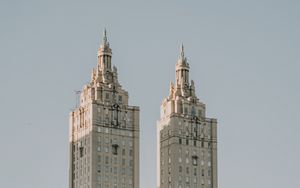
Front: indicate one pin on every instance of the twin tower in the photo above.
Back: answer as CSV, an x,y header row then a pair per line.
x,y
104,134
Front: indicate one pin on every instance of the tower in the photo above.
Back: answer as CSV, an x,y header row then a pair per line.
x,y
104,131
186,138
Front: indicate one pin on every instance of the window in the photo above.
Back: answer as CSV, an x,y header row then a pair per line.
x,y
187,179
195,160
130,152
115,149
202,163
130,143
187,170
99,129
209,182
195,143
107,95
120,98
187,142
193,111
180,168
180,141
99,148
81,151
209,163
199,113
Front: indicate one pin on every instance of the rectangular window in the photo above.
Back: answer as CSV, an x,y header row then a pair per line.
x,y
180,141
195,160
115,149
209,163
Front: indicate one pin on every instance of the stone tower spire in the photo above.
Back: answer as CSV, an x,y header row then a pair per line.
x,y
104,55
182,70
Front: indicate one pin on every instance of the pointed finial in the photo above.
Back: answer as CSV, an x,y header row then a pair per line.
x,y
104,40
182,51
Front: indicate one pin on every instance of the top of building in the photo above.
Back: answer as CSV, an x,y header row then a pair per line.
x,y
182,99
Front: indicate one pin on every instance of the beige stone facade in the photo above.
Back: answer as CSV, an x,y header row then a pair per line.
x,y
104,131
186,138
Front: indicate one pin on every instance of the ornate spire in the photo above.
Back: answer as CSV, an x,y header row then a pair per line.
x,y
182,52
104,40
104,58
182,59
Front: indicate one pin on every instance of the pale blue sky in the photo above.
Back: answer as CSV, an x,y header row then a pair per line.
x,y
244,58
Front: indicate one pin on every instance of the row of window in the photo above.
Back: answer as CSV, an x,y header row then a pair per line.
x,y
109,130
114,180
115,170
188,180
113,160
187,152
187,161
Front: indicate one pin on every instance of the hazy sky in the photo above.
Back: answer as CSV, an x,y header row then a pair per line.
x,y
244,58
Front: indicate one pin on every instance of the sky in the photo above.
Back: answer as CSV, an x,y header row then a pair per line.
x,y
244,58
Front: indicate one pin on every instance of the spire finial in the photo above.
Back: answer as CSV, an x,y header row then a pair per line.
x,y
182,51
104,40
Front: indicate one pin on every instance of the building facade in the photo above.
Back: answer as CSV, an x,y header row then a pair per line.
x,y
104,131
186,138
